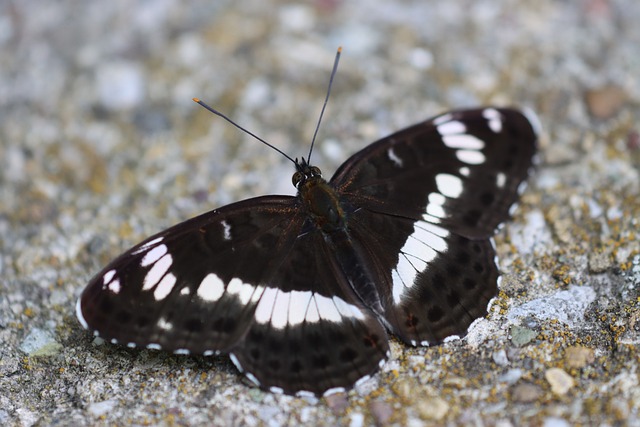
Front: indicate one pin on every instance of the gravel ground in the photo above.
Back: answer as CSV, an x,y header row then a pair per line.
x,y
101,146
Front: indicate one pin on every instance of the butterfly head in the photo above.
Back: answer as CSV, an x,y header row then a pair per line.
x,y
305,172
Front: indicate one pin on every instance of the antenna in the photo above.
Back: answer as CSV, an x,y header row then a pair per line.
x,y
324,106
218,113
326,99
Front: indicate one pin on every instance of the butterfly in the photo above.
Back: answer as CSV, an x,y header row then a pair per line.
x,y
302,291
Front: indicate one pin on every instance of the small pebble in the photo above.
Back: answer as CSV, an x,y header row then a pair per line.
x,y
511,376
41,343
578,357
555,422
357,420
599,262
522,336
381,411
433,408
526,393
620,409
605,102
560,381
500,358
120,85
337,402
98,409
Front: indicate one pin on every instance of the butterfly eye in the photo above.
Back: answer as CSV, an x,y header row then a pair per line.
x,y
315,171
297,177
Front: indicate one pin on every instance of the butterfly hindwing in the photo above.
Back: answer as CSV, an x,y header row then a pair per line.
x,y
194,286
312,333
434,283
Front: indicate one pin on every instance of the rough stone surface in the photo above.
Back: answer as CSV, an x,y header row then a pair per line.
x,y
559,380
101,146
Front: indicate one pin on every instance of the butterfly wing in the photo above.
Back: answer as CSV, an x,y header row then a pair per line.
x,y
312,334
426,201
251,279
461,170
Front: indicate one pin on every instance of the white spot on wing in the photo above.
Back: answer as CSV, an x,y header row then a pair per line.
x,y
226,230
451,128
501,179
465,142
436,211
275,390
420,245
494,119
449,185
280,311
185,291
403,274
154,346
245,291
181,351
252,378
164,325
470,157
153,255
464,171
327,308
435,205
236,362
211,288
79,315
348,310
158,270
442,119
298,307
265,306
312,315
397,161
114,286
434,229
108,276
420,248
164,287
257,293
147,245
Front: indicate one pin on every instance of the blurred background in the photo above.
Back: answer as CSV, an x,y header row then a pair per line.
x,y
101,146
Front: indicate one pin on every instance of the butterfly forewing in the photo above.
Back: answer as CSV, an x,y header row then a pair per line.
x,y
194,286
301,290
461,170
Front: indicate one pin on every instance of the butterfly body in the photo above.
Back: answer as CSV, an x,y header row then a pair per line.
x,y
301,291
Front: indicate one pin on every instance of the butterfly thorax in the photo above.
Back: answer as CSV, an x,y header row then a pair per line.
x,y
319,198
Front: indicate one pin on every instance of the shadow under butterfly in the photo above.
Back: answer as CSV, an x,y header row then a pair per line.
x,y
302,290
